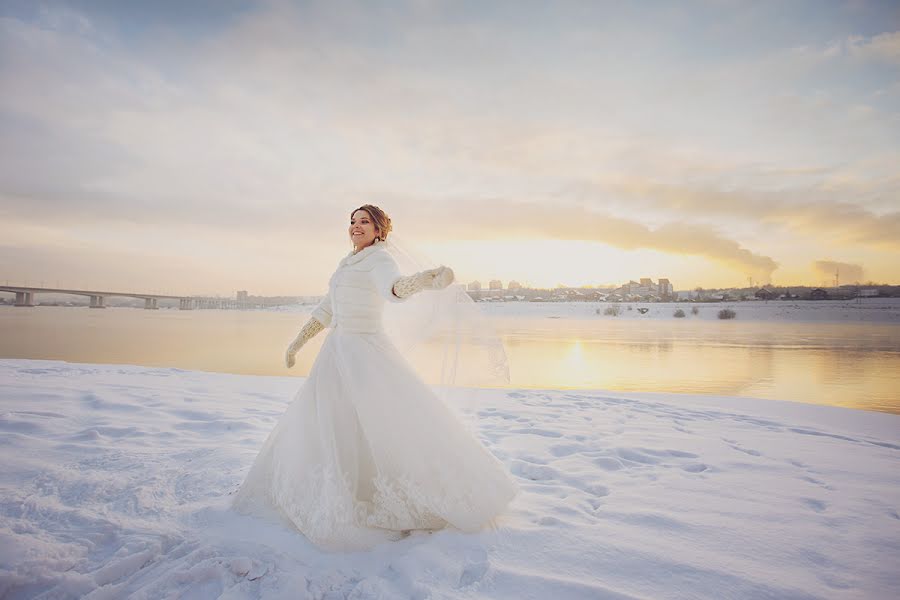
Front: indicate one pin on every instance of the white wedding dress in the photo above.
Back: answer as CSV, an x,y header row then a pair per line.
x,y
366,451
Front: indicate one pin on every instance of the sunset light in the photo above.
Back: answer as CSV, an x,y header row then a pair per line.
x,y
445,299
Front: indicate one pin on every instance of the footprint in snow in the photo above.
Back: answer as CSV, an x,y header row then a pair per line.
x,y
695,468
565,449
476,567
816,505
534,472
536,431
608,463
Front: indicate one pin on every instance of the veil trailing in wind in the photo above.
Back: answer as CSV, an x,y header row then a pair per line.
x,y
444,334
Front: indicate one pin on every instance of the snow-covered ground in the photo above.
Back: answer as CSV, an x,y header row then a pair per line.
x,y
115,483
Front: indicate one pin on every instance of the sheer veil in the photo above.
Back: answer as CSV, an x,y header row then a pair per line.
x,y
443,334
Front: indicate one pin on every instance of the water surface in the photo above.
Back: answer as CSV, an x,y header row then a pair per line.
x,y
855,364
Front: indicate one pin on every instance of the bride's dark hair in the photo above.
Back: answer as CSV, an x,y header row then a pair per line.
x,y
382,221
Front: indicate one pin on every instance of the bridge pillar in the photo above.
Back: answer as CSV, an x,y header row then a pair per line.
x,y
24,298
150,304
97,302
185,304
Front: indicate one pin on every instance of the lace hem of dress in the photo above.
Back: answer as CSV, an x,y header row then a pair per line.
x,y
325,507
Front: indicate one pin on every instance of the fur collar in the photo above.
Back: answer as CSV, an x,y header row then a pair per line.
x,y
352,258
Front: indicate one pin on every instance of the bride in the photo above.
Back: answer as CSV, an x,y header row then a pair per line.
x,y
367,452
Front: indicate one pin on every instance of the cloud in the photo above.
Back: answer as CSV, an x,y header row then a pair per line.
x,y
846,272
497,218
808,211
884,47
275,122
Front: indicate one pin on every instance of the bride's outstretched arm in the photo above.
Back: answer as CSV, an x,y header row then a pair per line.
x,y
431,279
395,287
307,332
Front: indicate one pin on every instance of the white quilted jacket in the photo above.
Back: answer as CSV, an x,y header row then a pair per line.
x,y
358,289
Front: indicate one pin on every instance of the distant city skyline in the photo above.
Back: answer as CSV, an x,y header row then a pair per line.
x,y
208,146
644,291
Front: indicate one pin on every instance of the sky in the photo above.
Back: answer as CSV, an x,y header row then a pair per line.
x,y
206,147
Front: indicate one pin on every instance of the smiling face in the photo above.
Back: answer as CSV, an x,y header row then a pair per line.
x,y
362,229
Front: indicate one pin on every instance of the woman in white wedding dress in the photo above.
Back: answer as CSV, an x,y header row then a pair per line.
x,y
367,452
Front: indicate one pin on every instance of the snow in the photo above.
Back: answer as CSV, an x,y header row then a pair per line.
x,y
116,481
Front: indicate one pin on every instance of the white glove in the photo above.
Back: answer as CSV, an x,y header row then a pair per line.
x,y
307,332
441,277
431,279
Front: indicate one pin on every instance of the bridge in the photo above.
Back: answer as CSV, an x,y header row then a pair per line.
x,y
25,297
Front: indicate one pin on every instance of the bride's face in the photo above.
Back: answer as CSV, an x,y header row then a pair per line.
x,y
362,229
